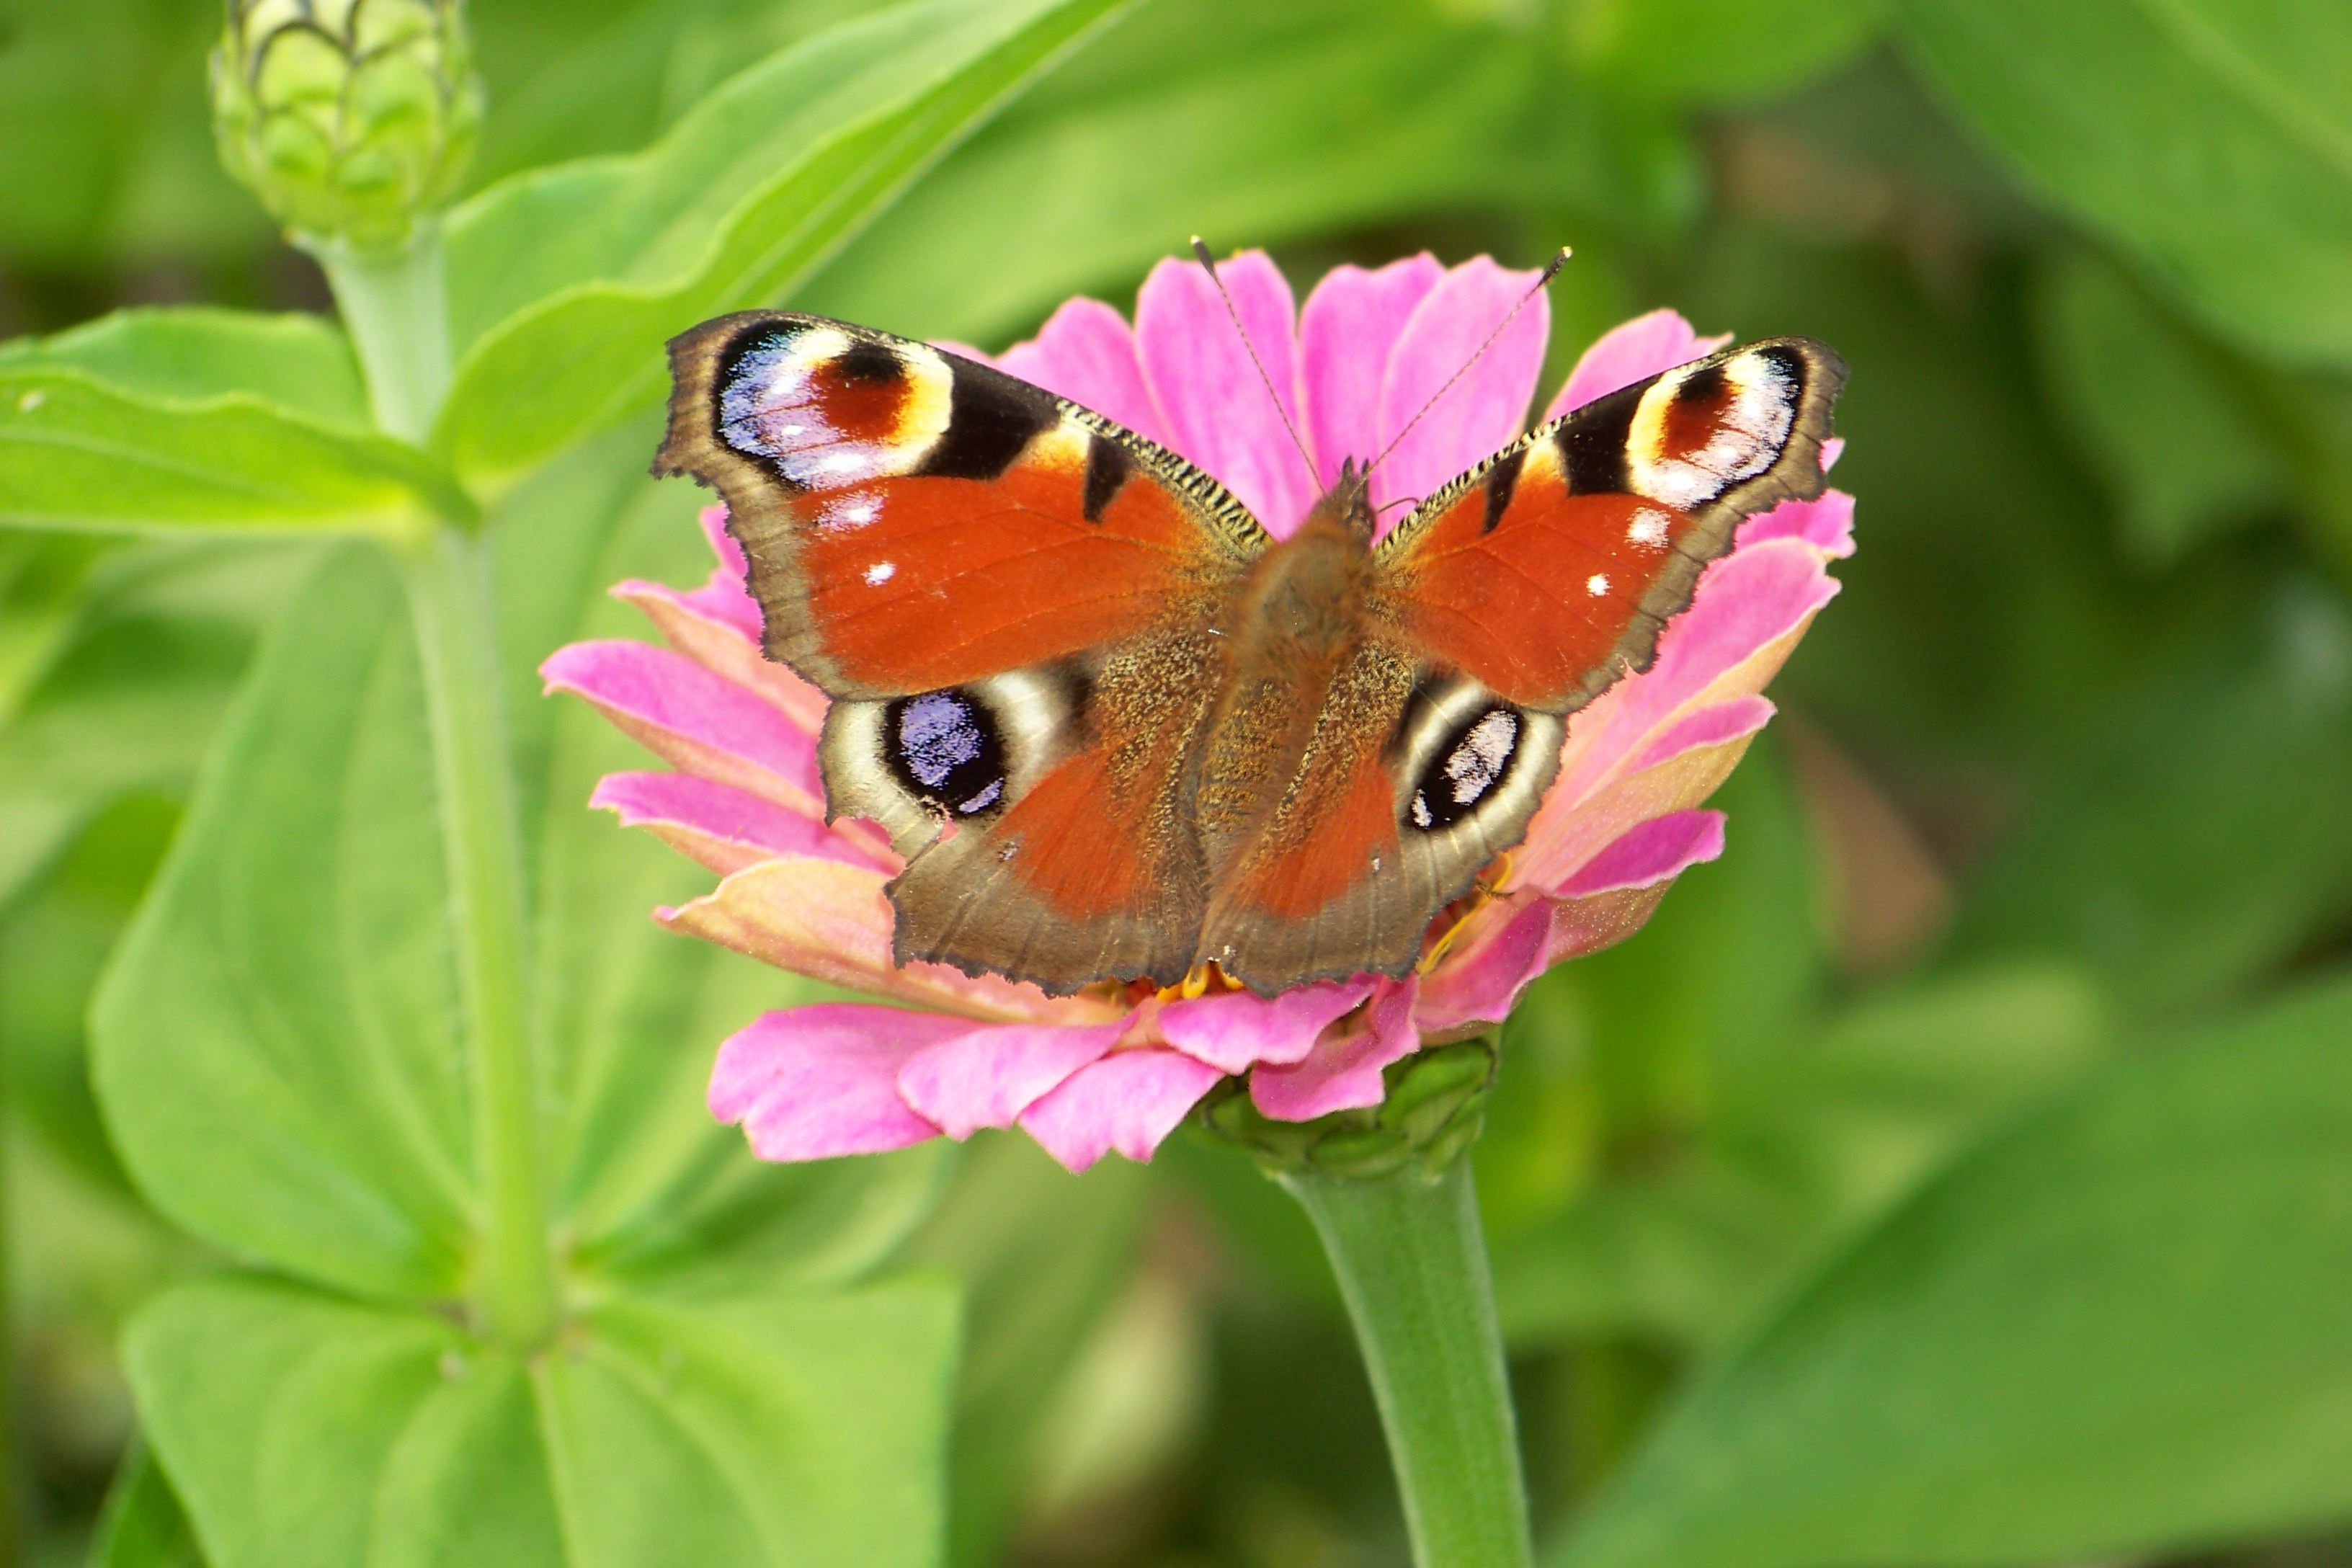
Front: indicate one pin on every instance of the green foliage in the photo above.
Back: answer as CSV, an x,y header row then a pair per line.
x,y
709,217
2116,1328
2164,418
281,1074
76,452
2211,139
1856,1213
303,1429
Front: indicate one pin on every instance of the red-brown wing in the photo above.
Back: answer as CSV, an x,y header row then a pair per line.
x,y
1548,572
1008,598
914,520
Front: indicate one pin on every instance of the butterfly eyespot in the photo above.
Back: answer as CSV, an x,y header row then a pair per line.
x,y
945,751
1467,767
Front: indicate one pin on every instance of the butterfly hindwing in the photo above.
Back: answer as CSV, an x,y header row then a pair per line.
x,y
992,585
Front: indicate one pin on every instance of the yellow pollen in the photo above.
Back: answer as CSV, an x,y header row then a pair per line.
x,y
1202,979
1482,891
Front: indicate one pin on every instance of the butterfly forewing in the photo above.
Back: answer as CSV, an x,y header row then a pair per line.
x,y
1549,571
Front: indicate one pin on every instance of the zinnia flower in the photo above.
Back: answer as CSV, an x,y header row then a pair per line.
x,y
1119,1067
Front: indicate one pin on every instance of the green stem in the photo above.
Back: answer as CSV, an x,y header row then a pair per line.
x,y
393,307
449,598
1412,1263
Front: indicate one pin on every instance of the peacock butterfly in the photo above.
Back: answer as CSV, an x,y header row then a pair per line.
x,y
1116,729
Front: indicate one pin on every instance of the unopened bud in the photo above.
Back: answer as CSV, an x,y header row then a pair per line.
x,y
348,118
1434,1105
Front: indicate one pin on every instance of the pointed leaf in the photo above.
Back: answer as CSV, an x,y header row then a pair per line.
x,y
2116,1332
76,452
276,1042
567,281
2212,139
303,1431
192,353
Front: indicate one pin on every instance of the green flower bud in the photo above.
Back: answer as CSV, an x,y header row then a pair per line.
x,y
348,117
1434,1105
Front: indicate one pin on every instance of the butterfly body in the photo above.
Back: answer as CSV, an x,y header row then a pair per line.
x,y
1116,727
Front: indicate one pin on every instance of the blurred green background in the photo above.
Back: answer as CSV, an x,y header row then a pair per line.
x,y
1960,1171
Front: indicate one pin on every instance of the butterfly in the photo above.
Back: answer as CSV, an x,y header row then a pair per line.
x,y
1119,730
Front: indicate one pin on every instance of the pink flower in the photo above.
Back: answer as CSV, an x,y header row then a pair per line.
x,y
1119,1067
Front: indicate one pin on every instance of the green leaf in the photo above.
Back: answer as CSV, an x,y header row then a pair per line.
x,y
1799,1148
76,452
142,1525
2211,139
306,1432
564,283
1043,1259
276,1044
193,353
2117,1330
116,659
2164,418
53,947
1715,51
652,1191
2196,837
277,1049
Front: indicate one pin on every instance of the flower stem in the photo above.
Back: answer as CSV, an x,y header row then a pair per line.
x,y
393,305
449,600
1411,1264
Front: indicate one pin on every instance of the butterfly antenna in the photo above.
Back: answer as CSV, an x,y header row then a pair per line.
x,y
1551,271
1200,253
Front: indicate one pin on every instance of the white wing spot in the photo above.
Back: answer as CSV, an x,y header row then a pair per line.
x,y
1648,528
1597,585
881,571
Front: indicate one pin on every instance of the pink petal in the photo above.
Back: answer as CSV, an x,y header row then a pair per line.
x,y
1343,1071
693,719
988,1077
1352,321
1825,523
1749,607
1483,410
832,922
1633,351
1657,851
1236,1029
1568,831
1129,1101
725,597
1480,977
1713,726
1832,450
732,567
808,1083
1214,405
722,827
1086,353
726,652
1476,984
